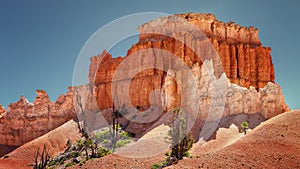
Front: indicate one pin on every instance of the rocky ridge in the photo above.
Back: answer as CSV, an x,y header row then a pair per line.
x,y
25,121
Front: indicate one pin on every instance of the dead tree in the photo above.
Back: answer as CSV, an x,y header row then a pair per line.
x,y
41,159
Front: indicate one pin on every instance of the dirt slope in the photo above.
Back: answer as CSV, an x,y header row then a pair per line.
x,y
148,150
56,140
273,144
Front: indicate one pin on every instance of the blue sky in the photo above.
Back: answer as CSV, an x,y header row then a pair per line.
x,y
40,40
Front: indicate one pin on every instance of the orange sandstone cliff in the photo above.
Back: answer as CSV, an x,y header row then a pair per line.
x,y
244,70
244,73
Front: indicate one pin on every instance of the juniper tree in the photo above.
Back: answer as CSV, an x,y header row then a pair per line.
x,y
181,140
245,126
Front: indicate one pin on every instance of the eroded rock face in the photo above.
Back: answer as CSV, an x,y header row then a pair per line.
x,y
245,61
26,121
241,56
232,72
214,100
2,111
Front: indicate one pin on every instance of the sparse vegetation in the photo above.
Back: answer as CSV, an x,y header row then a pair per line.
x,y
62,161
41,159
115,127
122,143
159,165
70,164
245,126
102,135
68,144
127,134
53,162
103,152
96,146
181,142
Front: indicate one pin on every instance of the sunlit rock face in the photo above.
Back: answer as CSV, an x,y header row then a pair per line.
x,y
25,121
225,73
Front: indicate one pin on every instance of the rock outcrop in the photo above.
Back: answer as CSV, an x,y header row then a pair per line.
x,y
2,111
245,61
232,72
24,121
225,73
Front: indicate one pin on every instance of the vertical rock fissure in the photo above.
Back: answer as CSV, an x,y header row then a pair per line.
x,y
237,62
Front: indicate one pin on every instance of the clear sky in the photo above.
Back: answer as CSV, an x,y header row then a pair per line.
x,y
40,40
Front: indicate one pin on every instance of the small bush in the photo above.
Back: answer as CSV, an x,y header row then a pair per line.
x,y
159,165
186,154
122,143
82,162
103,152
76,154
245,126
105,141
62,161
127,134
80,143
70,164
102,135
53,162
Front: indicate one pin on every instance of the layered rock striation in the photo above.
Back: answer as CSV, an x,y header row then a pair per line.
x,y
223,74
241,56
25,121
232,72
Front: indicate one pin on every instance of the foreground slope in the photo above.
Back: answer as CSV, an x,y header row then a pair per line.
x,y
55,141
273,144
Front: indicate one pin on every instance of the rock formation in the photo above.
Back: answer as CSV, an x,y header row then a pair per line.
x,y
24,121
243,81
223,74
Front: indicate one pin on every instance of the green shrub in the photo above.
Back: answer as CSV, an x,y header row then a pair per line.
x,y
83,161
103,152
102,135
75,154
53,162
62,161
245,126
127,134
122,143
186,154
70,164
80,143
159,165
105,141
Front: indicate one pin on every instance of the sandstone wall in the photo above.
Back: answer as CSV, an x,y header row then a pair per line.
x,y
241,56
24,121
243,81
